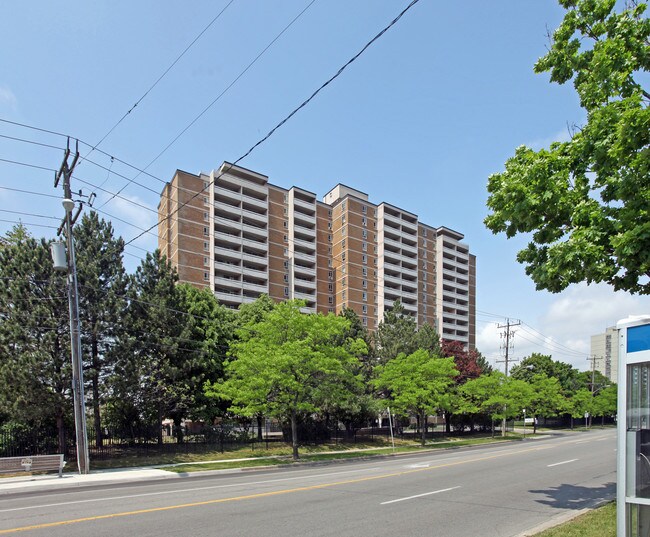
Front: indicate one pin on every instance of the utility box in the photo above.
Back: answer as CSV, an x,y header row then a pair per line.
x,y
633,458
58,256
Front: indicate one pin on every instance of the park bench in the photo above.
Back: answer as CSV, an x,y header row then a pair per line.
x,y
32,463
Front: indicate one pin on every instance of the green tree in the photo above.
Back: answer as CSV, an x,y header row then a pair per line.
x,y
580,403
397,333
605,401
546,398
287,365
35,367
482,396
102,284
586,202
148,382
419,384
208,328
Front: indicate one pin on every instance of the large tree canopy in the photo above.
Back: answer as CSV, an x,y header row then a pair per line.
x,y
586,202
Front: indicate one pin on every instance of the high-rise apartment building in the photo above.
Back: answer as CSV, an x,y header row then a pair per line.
x,y
241,236
604,352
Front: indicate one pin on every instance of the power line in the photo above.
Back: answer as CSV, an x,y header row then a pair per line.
x,y
287,118
30,214
28,224
159,78
205,110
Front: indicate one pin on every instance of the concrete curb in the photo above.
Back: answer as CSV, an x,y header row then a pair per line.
x,y
561,519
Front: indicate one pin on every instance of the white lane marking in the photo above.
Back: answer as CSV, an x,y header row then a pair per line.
x,y
563,462
420,465
419,495
180,491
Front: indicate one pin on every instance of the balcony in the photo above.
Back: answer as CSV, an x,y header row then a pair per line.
x,y
307,220
309,208
255,217
256,287
228,284
258,259
227,268
233,180
228,298
309,258
259,247
226,253
262,204
307,271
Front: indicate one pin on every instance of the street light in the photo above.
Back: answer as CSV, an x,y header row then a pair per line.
x,y
524,423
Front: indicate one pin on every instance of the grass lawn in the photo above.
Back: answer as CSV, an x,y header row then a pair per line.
x,y
283,452
598,523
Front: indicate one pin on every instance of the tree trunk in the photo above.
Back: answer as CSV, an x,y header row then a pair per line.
x,y
99,439
160,434
259,428
60,427
294,435
178,430
447,423
423,428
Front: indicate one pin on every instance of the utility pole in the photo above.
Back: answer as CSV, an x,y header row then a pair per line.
x,y
593,359
507,335
65,172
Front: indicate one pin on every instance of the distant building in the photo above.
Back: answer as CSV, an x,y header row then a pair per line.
x,y
604,349
242,236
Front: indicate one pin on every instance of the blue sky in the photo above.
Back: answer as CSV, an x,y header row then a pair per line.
x,y
421,119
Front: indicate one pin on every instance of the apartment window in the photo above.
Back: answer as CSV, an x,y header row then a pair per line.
x,y
364,296
344,282
343,294
330,274
285,224
364,284
375,249
206,246
424,232
344,305
343,269
205,200
424,243
364,308
329,212
374,225
286,198
364,259
205,231
424,309
364,246
375,299
343,220
374,272
424,287
376,323
364,209
329,250
286,291
374,211
206,216
424,297
286,239
330,286
364,221
364,320
424,276
329,238
329,225
330,310
286,278
330,300
286,251
206,261
286,211
364,233
343,205
206,276
329,263
286,264
424,265
343,256
364,271
343,243
343,231
205,185
375,261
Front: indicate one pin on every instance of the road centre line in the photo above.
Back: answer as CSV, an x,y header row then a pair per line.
x,y
419,495
260,494
563,462
180,491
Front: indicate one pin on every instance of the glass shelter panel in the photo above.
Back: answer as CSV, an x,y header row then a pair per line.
x,y
638,430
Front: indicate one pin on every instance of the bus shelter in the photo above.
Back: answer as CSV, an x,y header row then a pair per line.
x,y
633,457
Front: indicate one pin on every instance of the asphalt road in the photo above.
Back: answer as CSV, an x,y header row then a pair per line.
x,y
489,491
